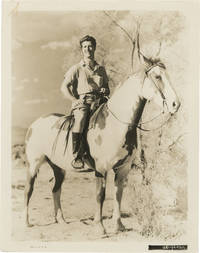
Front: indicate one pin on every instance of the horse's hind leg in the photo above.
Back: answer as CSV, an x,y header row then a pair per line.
x,y
27,195
100,197
59,175
31,176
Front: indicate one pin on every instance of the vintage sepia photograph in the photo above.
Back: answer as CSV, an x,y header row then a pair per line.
x,y
101,107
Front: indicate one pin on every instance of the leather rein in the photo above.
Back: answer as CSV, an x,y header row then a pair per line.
x,y
139,126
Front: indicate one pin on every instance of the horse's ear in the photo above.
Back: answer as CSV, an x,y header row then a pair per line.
x,y
145,61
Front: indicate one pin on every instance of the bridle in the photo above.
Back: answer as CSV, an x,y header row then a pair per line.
x,y
139,126
159,64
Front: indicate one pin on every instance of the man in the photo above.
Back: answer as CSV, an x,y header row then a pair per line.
x,y
83,83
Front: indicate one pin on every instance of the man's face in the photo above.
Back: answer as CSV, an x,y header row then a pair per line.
x,y
88,49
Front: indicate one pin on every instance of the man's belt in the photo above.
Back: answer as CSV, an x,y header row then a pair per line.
x,y
89,97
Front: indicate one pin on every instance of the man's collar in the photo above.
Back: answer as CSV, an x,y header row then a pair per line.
x,y
85,65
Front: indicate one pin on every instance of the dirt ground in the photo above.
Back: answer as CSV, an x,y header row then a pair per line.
x,y
78,203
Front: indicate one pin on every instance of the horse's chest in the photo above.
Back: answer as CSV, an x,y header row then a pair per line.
x,y
113,150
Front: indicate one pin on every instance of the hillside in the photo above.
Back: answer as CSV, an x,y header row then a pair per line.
x,y
18,135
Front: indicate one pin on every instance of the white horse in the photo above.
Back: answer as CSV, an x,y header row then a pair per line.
x,y
112,139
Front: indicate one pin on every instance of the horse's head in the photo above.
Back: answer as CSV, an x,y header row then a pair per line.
x,y
157,86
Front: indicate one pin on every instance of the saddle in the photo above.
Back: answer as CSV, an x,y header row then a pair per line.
x,y
65,123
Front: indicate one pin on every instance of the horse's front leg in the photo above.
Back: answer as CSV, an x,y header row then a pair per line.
x,y
59,175
100,197
119,184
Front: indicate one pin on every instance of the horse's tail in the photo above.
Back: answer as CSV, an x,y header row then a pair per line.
x,y
71,123
28,135
67,119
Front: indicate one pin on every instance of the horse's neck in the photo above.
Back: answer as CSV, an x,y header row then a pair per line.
x,y
127,102
112,135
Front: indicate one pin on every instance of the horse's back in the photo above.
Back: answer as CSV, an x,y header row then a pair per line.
x,y
42,133
42,124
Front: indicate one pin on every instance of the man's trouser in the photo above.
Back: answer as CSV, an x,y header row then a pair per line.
x,y
80,116
81,112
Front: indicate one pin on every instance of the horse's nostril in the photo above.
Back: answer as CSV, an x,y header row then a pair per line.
x,y
174,104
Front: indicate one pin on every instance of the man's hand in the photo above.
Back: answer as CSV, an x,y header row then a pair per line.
x,y
103,90
78,102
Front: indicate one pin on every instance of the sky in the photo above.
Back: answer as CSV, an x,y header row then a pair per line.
x,y
46,44
41,42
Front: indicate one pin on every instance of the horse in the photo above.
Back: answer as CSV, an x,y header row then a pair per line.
x,y
112,140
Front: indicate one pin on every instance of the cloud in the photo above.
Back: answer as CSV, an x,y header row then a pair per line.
x,y
48,26
16,44
25,80
56,44
21,87
35,101
128,23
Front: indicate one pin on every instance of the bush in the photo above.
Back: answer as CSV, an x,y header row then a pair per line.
x,y
18,156
158,188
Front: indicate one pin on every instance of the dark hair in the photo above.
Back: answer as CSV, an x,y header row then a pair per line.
x,y
88,38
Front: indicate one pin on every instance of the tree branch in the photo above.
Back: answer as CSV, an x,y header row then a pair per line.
x,y
177,139
138,39
127,34
115,71
159,49
132,55
160,43
117,24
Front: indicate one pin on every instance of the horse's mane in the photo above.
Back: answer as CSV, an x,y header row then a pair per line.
x,y
156,61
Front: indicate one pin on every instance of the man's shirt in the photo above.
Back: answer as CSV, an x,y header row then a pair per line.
x,y
82,79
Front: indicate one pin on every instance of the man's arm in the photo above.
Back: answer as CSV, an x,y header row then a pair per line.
x,y
105,83
69,84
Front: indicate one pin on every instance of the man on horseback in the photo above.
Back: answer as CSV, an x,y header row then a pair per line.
x,y
85,83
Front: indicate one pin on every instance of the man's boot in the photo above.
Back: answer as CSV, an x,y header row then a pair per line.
x,y
77,162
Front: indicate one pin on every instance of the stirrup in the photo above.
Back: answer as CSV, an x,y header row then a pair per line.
x,y
77,163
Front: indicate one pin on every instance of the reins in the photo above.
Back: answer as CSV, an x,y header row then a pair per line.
x,y
154,129
139,126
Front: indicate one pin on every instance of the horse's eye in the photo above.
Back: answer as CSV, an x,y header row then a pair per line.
x,y
158,77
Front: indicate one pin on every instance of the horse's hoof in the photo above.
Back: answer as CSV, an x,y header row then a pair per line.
x,y
100,230
119,228
28,225
60,221
122,227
